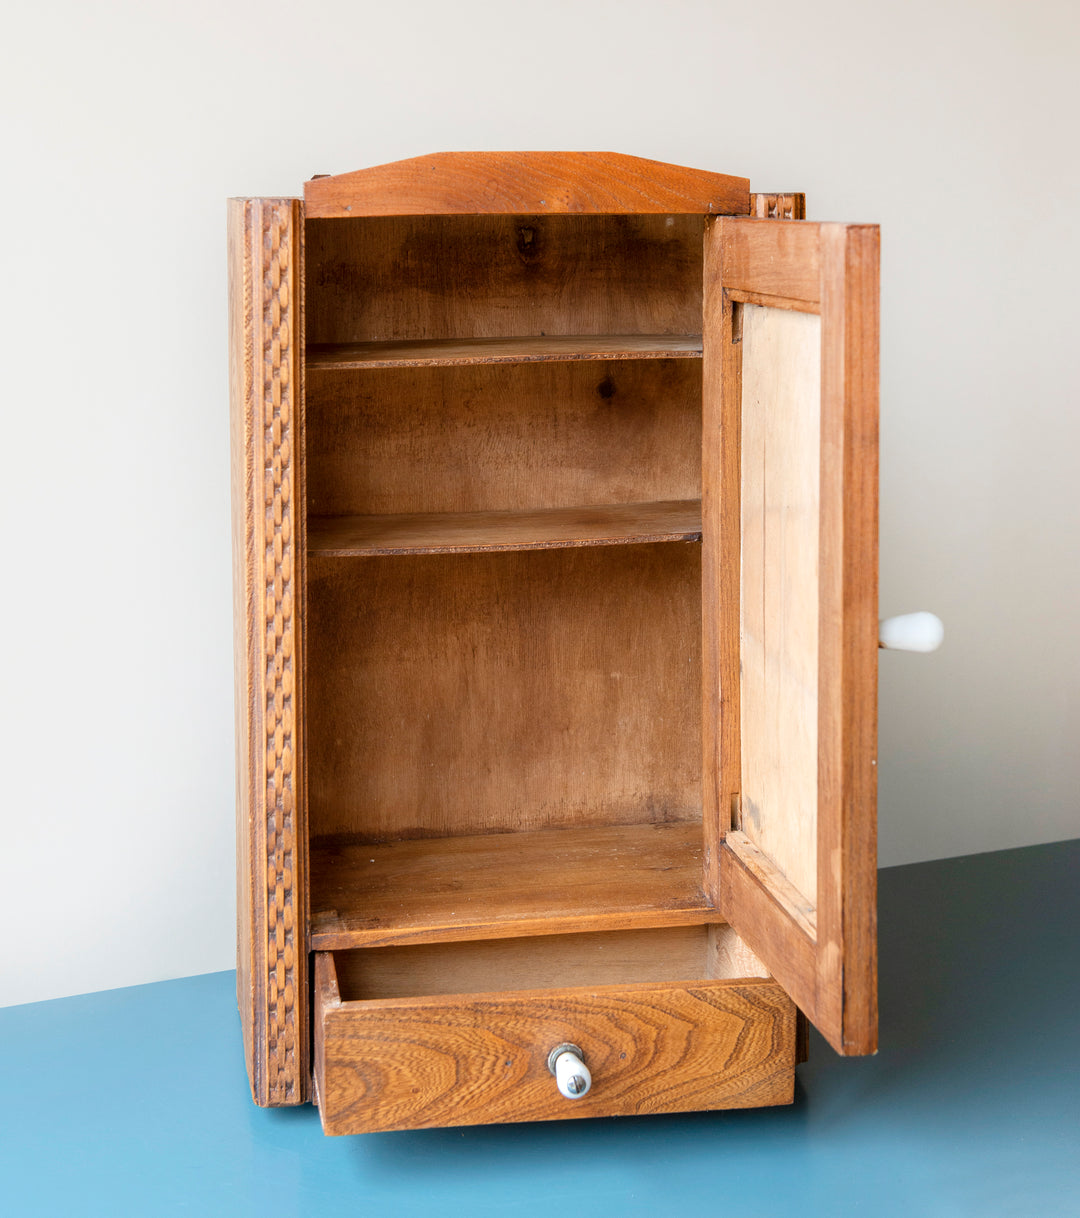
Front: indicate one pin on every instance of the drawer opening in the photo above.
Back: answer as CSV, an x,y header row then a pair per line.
x,y
671,954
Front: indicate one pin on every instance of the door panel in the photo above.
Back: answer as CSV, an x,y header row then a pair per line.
x,y
780,512
790,593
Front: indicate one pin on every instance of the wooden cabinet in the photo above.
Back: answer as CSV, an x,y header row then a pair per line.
x,y
555,495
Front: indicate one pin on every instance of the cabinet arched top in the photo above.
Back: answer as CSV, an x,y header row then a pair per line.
x,y
525,183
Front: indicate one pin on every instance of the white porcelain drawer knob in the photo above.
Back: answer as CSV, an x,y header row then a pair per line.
x,y
571,1074
911,632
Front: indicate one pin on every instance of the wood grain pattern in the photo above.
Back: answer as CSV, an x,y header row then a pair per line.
x,y
500,714
728,956
847,855
414,1063
776,259
266,324
761,866
780,515
676,953
833,976
453,352
720,555
525,182
478,693
763,911
741,296
503,437
468,277
499,884
487,532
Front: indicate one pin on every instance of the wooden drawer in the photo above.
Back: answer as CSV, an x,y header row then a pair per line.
x,y
471,1045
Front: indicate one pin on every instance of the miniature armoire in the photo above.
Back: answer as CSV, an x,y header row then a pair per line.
x,y
555,548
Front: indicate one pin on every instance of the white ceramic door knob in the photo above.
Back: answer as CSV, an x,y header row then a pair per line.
x,y
911,632
572,1076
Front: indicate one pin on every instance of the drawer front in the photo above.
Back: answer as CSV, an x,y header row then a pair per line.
x,y
482,1058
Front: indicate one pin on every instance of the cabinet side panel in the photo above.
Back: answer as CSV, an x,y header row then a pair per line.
x,y
242,478
265,263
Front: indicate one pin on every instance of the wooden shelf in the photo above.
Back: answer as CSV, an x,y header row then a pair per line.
x,y
480,532
542,882
433,353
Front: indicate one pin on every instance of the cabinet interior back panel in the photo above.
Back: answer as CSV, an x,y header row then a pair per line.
x,y
503,436
781,519
387,278
491,692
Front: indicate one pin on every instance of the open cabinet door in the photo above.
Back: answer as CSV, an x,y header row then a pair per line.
x,y
790,475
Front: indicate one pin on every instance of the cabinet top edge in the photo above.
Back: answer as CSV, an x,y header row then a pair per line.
x,y
525,183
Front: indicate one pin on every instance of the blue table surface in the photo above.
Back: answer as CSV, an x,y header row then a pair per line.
x,y
135,1101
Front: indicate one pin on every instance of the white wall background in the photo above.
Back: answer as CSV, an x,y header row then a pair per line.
x,y
952,122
